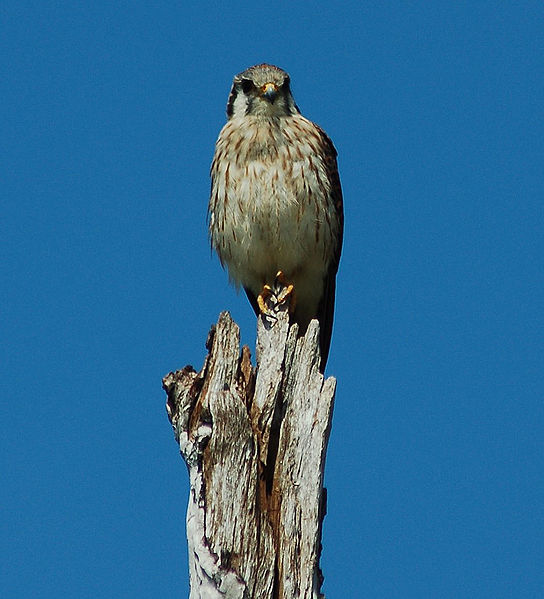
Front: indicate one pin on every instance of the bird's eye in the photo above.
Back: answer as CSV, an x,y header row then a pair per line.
x,y
247,85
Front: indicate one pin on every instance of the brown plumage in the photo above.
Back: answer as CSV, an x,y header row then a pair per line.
x,y
276,200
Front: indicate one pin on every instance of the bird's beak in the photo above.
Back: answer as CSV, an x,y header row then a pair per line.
x,y
269,91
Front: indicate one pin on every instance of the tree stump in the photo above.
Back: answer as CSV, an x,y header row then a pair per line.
x,y
254,441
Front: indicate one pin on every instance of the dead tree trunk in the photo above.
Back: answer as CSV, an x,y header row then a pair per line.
x,y
254,440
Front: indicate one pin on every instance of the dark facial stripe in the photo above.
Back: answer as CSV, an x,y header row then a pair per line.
x,y
230,102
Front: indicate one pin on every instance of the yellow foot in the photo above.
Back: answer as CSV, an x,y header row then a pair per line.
x,y
287,294
285,291
271,299
263,299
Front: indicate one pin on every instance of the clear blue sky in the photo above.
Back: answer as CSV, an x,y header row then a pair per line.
x,y
108,118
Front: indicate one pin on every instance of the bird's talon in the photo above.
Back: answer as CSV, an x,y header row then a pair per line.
x,y
271,299
287,294
262,298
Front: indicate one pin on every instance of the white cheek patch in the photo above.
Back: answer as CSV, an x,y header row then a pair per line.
x,y
240,105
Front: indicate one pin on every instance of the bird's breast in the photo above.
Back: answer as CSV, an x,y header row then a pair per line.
x,y
270,206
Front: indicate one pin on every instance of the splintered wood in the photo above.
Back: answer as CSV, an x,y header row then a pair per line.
x,y
254,440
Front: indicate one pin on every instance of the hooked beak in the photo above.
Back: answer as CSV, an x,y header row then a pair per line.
x,y
269,91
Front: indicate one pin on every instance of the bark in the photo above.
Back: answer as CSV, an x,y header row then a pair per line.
x,y
254,440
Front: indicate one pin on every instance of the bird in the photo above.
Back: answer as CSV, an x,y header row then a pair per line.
x,y
275,214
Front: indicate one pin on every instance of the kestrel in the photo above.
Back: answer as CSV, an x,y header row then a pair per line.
x,y
275,211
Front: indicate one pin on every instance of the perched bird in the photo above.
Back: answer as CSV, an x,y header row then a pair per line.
x,y
275,211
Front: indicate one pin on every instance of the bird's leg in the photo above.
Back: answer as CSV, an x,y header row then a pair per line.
x,y
263,300
272,298
284,291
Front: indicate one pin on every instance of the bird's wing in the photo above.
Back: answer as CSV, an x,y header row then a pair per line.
x,y
325,312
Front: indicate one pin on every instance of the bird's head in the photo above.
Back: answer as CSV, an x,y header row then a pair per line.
x,y
262,90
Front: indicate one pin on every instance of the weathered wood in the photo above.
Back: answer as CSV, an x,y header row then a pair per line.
x,y
254,440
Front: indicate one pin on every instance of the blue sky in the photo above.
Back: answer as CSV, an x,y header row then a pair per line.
x,y
109,116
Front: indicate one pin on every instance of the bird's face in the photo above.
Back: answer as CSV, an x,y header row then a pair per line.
x,y
261,91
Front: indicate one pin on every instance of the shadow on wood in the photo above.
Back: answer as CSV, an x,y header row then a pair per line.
x,y
254,440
